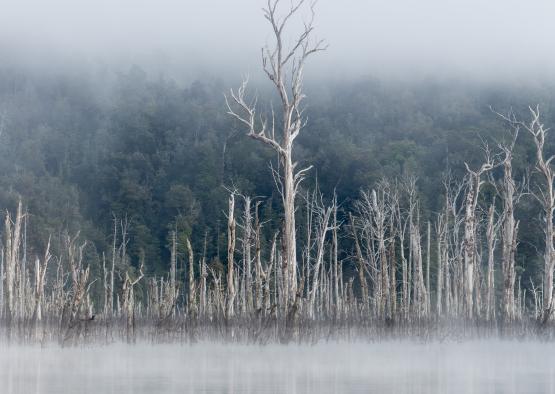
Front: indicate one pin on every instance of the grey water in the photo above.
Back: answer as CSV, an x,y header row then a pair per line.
x,y
388,367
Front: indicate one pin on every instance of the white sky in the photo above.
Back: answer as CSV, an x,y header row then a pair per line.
x,y
492,38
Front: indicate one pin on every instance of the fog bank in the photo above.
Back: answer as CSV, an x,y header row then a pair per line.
x,y
399,38
390,367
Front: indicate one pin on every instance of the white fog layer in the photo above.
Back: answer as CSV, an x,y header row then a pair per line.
x,y
390,367
497,39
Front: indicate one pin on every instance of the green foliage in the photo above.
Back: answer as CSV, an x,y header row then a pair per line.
x,y
79,151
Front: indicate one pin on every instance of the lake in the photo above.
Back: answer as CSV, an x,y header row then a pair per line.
x,y
388,367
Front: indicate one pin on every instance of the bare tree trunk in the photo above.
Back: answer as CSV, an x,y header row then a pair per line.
x,y
393,262
259,271
112,271
428,256
509,233
441,262
361,267
192,292
546,197
247,240
203,276
335,262
173,269
230,259
490,287
277,63
474,183
323,227
13,239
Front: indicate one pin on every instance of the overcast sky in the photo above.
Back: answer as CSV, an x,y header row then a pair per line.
x,y
488,38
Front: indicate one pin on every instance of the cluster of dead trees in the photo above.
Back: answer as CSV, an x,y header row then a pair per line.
x,y
385,263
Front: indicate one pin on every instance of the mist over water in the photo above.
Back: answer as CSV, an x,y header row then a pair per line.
x,y
390,367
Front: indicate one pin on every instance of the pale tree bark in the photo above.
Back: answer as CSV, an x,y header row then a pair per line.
x,y
247,261
473,185
285,68
13,241
375,211
40,274
405,286
361,267
230,257
393,258
259,271
490,279
510,196
379,215
428,260
323,216
203,275
335,226
173,269
191,294
128,297
79,288
546,196
442,262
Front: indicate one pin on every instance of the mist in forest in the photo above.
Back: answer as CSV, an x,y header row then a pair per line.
x,y
390,367
141,205
499,40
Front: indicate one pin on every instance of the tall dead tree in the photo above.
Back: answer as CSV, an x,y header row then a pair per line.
x,y
490,278
473,185
284,66
230,257
361,266
13,243
510,196
191,293
128,298
546,197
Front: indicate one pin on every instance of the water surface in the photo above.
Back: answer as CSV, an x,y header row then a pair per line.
x,y
382,368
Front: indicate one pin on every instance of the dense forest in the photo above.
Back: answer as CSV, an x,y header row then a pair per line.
x,y
78,151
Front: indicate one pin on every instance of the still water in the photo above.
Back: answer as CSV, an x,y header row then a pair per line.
x,y
381,368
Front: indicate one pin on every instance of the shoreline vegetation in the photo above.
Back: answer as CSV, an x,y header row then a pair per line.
x,y
445,275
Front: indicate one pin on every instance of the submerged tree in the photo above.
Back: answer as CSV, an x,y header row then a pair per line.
x,y
285,68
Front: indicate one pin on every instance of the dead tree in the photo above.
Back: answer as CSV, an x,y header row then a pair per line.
x,y
230,257
191,296
248,303
13,242
491,236
442,261
323,215
420,294
510,196
361,267
128,298
173,267
79,289
473,184
285,68
546,197
40,274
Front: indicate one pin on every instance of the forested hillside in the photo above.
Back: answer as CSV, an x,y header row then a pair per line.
x,y
82,148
